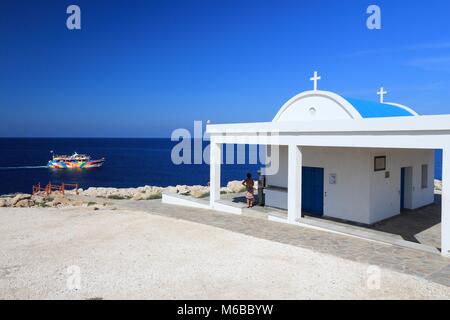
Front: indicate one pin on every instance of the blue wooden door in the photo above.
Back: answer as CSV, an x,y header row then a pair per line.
x,y
312,190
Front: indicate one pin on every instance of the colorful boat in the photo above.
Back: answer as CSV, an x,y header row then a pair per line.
x,y
79,161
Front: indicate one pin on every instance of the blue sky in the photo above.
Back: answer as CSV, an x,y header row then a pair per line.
x,y
145,68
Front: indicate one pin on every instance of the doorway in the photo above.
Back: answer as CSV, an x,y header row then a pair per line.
x,y
406,188
313,190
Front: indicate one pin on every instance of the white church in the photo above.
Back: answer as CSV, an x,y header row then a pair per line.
x,y
344,158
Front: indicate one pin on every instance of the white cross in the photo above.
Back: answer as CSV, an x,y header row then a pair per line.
x,y
315,79
381,93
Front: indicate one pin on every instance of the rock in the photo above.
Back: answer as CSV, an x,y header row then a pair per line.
x,y
38,200
147,192
60,201
438,185
4,203
171,190
25,203
151,195
224,190
20,197
199,191
77,203
235,187
183,190
138,197
116,196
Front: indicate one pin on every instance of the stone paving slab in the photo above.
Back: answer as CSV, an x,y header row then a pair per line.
x,y
423,264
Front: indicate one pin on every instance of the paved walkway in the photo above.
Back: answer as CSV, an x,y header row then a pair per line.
x,y
426,265
421,226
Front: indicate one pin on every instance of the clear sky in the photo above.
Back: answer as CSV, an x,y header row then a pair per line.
x,y
144,68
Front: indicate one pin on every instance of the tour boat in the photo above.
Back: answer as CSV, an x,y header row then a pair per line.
x,y
76,160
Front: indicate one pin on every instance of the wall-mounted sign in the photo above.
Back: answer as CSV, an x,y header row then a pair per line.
x,y
332,178
380,163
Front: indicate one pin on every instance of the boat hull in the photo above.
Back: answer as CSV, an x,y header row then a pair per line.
x,y
59,164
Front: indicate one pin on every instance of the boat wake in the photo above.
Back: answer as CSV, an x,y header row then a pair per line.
x,y
24,167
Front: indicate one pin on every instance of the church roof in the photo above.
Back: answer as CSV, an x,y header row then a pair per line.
x,y
325,105
371,109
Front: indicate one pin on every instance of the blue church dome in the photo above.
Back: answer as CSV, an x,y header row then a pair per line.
x,y
371,109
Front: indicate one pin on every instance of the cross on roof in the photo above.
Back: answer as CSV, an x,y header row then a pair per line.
x,y
381,93
315,79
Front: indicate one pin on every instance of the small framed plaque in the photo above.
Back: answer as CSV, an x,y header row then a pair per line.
x,y
380,163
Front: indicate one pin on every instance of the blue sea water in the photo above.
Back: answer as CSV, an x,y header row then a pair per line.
x,y
438,164
129,163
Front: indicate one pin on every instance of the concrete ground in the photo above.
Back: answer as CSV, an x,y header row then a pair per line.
x,y
147,250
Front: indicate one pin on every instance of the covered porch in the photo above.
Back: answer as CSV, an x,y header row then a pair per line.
x,y
427,133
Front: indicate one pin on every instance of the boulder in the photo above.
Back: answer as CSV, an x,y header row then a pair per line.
x,y
224,190
4,203
151,195
199,191
20,197
235,187
77,203
24,203
138,196
183,190
438,185
60,201
117,196
38,200
171,190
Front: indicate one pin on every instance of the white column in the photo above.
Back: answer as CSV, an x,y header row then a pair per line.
x,y
445,223
294,183
214,171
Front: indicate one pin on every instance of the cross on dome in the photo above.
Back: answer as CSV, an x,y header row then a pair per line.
x,y
381,93
315,79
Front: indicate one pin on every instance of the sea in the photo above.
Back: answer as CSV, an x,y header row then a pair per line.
x,y
129,163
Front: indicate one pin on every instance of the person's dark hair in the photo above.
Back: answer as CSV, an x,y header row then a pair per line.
x,y
249,175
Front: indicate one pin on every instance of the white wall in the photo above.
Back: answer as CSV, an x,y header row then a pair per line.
x,y
348,199
276,198
314,108
360,194
385,192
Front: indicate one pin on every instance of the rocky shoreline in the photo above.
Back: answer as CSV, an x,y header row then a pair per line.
x,y
137,194
438,186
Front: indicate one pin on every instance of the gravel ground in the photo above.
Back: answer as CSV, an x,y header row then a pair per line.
x,y
133,255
